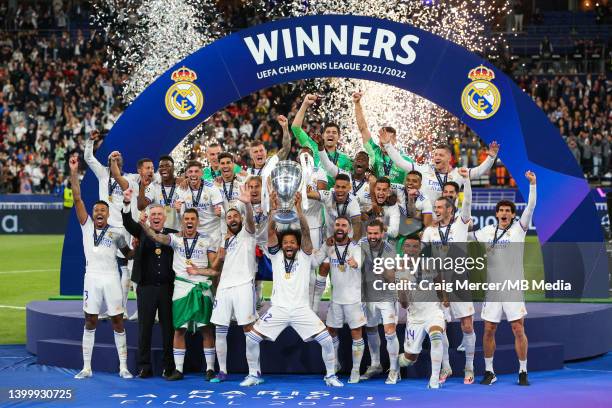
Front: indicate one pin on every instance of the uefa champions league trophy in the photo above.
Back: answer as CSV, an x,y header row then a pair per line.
x,y
286,178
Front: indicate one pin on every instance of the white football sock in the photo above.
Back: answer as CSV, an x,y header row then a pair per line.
x,y
221,345
121,344
209,356
374,347
179,359
327,352
445,358
336,343
357,349
252,352
318,292
393,350
523,366
125,285
469,342
489,364
436,353
89,338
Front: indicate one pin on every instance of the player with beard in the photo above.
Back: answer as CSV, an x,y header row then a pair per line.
x,y
101,242
164,192
331,135
505,249
110,191
381,304
205,198
415,208
359,175
339,202
236,290
384,207
451,233
228,183
291,266
212,172
424,316
192,299
437,174
383,165
345,305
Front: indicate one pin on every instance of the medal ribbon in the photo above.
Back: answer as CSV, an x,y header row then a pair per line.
x,y
196,199
228,241
343,206
168,199
357,187
409,204
444,237
382,248
387,165
440,180
228,197
341,258
111,187
496,238
334,157
98,238
289,265
189,249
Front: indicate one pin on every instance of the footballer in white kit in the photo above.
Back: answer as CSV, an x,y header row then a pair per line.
x,y
192,298
424,315
415,209
345,305
504,242
291,267
236,290
451,234
102,283
383,208
164,192
435,175
206,199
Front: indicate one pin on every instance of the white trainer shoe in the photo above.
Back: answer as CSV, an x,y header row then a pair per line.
x,y
404,362
134,316
251,380
124,373
434,384
84,373
393,377
354,379
372,371
333,381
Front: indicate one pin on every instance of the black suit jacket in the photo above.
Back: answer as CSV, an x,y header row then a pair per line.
x,y
136,230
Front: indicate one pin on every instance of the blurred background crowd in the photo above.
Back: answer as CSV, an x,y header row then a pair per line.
x,y
55,88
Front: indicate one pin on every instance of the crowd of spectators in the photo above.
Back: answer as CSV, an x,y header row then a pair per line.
x,y
55,89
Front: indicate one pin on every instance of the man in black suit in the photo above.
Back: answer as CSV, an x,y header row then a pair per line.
x,y
153,274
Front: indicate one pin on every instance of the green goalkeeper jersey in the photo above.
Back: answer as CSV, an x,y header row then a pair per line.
x,y
383,165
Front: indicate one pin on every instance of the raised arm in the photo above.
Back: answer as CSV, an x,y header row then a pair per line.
x,y
394,221
308,101
283,153
143,201
329,167
93,163
116,173
466,207
362,125
126,215
484,167
531,202
272,237
245,198
356,225
79,205
394,155
304,228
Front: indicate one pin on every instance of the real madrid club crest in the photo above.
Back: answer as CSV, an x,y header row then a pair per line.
x,y
480,98
184,99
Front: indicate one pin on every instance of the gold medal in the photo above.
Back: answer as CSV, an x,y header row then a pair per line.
x,y
188,262
490,249
110,198
167,208
157,251
342,267
287,275
408,221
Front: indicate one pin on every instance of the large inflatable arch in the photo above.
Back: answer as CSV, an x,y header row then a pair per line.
x,y
488,101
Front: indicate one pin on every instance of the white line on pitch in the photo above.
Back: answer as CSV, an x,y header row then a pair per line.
x,y
27,270
12,307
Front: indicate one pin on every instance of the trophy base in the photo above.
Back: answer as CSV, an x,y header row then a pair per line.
x,y
286,217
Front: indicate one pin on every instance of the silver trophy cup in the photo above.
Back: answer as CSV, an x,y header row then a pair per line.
x,y
286,178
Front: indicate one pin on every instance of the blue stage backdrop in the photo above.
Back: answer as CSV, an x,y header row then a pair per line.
x,y
397,54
